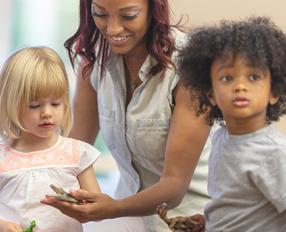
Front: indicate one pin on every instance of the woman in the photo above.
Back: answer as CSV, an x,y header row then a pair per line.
x,y
128,87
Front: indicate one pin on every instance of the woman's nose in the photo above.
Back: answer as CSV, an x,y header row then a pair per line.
x,y
114,27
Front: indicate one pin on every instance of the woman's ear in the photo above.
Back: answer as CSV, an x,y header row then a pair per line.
x,y
211,97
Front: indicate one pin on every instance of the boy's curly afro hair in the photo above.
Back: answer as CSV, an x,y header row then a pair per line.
x,y
257,39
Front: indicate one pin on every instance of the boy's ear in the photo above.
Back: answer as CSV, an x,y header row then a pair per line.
x,y
273,100
211,97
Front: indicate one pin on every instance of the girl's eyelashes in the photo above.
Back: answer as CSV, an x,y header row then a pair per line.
x,y
56,103
34,106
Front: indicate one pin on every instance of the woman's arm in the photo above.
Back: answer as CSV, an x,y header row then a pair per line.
x,y
187,136
85,112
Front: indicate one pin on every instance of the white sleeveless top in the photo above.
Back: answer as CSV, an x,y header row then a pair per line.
x,y
25,179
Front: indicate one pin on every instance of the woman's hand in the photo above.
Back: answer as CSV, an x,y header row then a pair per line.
x,y
7,226
96,206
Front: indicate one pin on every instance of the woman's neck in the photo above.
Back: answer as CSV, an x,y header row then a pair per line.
x,y
134,61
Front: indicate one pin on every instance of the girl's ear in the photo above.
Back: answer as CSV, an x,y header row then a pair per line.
x,y
211,97
273,100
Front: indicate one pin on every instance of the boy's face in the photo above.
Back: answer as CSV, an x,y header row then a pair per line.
x,y
42,118
241,92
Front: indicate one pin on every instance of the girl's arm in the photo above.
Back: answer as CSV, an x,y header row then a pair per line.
x,y
7,226
87,180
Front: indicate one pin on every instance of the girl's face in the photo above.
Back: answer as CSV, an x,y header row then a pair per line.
x,y
241,92
123,23
42,118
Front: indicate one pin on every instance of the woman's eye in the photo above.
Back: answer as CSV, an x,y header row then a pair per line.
x,y
129,17
97,14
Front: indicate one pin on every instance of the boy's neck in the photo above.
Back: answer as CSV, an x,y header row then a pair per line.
x,y
242,126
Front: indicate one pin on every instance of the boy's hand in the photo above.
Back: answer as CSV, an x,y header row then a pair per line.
x,y
7,226
194,223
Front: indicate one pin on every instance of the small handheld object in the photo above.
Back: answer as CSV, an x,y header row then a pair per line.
x,y
62,195
178,224
31,227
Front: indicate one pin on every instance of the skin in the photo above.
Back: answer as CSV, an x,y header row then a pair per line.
x,y
7,226
242,93
183,145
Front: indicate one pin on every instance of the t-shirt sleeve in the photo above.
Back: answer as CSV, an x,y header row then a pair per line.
x,y
88,154
271,179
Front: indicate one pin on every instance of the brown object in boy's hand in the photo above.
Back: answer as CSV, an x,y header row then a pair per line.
x,y
179,224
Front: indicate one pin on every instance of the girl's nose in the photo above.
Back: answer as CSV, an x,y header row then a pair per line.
x,y
46,111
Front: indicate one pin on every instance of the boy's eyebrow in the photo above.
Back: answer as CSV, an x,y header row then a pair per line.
x,y
134,7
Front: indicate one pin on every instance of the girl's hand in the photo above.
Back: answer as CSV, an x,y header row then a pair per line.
x,y
7,226
96,206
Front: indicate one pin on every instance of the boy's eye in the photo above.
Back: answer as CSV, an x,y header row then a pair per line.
x,y
226,78
254,77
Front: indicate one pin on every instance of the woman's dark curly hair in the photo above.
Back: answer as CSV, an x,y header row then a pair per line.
x,y
160,42
257,39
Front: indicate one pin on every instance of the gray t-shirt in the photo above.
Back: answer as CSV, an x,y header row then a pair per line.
x,y
247,182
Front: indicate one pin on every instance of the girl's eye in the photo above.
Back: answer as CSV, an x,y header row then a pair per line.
x,y
226,78
34,106
254,77
56,103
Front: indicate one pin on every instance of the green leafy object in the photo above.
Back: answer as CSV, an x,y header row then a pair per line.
x,y
31,227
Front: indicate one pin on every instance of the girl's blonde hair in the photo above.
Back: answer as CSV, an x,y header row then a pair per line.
x,y
28,75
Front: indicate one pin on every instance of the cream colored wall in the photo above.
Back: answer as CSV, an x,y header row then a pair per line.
x,y
201,12
209,11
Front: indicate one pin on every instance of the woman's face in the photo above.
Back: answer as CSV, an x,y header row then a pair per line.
x,y
123,23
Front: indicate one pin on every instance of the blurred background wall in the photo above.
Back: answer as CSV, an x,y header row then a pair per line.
x,y
205,11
